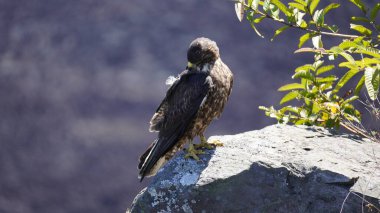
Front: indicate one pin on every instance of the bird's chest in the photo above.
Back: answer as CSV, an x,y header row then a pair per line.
x,y
217,95
216,99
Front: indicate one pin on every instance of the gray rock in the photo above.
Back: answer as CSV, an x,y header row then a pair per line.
x,y
277,169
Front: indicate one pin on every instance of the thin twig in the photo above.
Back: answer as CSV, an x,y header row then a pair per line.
x,y
307,29
354,129
366,201
302,28
344,201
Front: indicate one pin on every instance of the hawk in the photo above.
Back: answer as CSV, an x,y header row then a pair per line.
x,y
194,99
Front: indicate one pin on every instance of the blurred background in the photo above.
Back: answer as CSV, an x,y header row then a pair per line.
x,y
80,80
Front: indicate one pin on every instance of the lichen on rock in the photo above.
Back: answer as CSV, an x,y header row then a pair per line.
x,y
277,169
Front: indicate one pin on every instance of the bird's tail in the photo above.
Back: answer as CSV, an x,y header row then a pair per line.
x,y
148,160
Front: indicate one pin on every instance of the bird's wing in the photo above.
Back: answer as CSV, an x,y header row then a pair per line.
x,y
184,101
159,116
230,89
179,108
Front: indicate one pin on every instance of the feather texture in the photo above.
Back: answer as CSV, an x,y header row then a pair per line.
x,y
178,109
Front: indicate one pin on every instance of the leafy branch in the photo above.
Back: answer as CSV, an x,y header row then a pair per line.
x,y
296,11
246,7
319,90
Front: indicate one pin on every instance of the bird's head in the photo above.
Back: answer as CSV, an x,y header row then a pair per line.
x,y
202,51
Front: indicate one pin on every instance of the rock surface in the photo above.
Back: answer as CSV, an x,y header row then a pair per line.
x,y
277,169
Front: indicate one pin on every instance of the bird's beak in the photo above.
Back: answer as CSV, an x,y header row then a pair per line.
x,y
190,65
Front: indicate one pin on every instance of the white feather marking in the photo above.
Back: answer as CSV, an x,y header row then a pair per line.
x,y
157,166
151,150
206,67
161,161
170,80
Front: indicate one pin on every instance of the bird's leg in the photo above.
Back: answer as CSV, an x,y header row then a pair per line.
x,y
205,144
192,152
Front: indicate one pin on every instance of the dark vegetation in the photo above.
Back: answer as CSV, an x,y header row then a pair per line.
x,y
325,98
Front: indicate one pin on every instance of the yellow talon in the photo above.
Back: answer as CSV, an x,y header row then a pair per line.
x,y
193,153
208,145
216,142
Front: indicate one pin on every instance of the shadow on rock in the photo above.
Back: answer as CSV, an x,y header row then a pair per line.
x,y
258,189
265,189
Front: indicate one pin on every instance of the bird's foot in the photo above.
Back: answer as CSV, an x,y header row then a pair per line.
x,y
208,145
193,153
204,146
216,142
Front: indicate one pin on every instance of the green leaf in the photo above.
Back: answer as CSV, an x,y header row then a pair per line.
x,y
351,99
251,21
304,113
365,62
306,67
329,78
348,57
303,24
324,69
257,31
340,51
352,118
316,108
301,2
330,7
359,86
239,9
297,5
317,64
319,17
305,74
255,4
281,6
359,4
313,5
317,41
326,86
359,39
349,65
288,97
333,28
374,12
249,3
264,108
274,11
266,7
258,20
299,20
355,18
348,44
361,29
303,39
369,51
371,88
344,79
279,31
289,109
305,84
291,87
376,81
301,122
